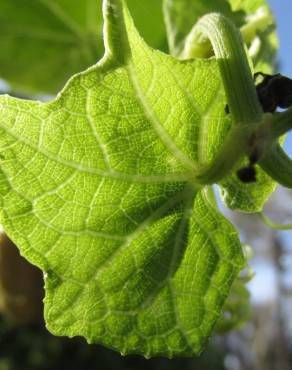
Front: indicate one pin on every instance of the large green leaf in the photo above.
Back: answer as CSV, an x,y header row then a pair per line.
x,y
96,190
44,42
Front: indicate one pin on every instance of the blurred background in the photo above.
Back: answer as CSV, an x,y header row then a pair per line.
x,y
264,343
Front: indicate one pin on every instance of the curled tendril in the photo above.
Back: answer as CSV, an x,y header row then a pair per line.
x,y
273,225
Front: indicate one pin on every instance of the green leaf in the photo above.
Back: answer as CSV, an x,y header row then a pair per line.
x,y
247,197
236,310
43,43
149,21
96,189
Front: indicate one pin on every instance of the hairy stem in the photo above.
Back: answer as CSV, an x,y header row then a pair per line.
x,y
239,89
232,60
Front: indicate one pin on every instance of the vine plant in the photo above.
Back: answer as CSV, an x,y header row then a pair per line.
x,y
107,188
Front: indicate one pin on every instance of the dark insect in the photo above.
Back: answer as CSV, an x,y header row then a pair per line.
x,y
226,109
247,174
273,91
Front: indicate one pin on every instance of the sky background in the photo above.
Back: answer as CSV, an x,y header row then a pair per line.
x,y
282,10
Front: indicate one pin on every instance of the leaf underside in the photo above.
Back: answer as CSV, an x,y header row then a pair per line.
x,y
95,190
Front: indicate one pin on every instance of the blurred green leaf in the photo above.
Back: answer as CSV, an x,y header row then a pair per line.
x,y
149,20
236,310
44,42
265,40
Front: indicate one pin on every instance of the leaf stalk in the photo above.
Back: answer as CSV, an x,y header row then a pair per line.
x,y
230,54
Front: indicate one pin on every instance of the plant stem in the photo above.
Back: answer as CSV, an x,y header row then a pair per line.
x,y
282,123
232,60
278,165
239,89
232,150
274,161
272,225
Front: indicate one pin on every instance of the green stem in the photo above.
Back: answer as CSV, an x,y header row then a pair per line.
x,y
275,162
272,225
282,123
278,165
232,150
239,89
232,60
